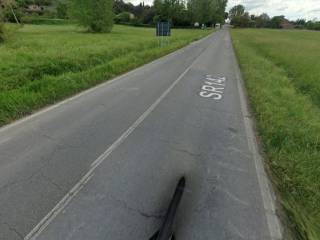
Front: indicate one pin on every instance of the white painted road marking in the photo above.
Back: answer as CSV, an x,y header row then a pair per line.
x,y
213,87
41,226
266,190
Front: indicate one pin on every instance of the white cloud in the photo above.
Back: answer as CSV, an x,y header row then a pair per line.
x,y
292,9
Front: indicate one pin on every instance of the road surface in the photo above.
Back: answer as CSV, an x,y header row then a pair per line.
x,y
104,164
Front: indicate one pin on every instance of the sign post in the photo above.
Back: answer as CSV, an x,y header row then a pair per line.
x,y
163,31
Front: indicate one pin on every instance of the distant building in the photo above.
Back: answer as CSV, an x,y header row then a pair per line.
x,y
34,8
286,24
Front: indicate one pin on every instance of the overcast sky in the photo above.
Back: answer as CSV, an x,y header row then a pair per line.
x,y
292,9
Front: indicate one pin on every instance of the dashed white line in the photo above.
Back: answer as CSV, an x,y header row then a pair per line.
x,y
36,231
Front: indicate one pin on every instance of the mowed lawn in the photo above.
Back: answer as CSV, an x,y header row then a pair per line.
x,y
42,64
282,74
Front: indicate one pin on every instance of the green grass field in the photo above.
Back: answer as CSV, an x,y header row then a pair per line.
x,y
282,74
42,64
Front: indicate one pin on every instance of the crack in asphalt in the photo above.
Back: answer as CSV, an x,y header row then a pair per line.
x,y
57,141
36,172
51,182
235,230
138,211
13,229
232,196
192,154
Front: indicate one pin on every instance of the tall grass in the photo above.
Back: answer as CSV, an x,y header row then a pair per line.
x,y
46,63
281,70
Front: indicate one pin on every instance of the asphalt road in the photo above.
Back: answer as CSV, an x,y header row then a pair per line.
x,y
104,164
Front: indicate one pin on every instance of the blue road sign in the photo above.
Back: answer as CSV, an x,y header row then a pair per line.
x,y
163,29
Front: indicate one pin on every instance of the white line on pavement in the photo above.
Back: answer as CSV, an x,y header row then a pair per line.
x,y
36,231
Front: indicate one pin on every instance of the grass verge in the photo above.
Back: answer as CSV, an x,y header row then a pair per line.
x,y
43,64
282,77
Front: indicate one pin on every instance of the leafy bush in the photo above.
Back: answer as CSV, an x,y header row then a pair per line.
x,y
62,10
123,17
2,32
313,25
97,15
7,13
242,21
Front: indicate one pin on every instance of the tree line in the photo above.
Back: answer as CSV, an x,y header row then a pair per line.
x,y
99,15
178,12
241,18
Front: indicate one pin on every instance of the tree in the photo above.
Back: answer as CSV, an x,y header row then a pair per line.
x,y
62,10
236,11
169,10
7,10
207,11
120,6
148,15
301,22
313,25
2,32
242,21
276,21
262,21
96,15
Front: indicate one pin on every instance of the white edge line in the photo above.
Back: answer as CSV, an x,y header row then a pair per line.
x,y
267,192
36,231
88,91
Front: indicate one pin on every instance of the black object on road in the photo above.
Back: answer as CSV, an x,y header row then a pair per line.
x,y
166,230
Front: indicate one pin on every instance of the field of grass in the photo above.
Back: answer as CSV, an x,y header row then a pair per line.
x,y
282,74
42,64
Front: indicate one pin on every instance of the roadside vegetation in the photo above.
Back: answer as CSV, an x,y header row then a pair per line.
x,y
43,64
281,72
90,13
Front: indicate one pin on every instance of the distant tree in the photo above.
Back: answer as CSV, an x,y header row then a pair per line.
x,y
96,15
62,10
313,25
8,11
276,21
148,15
243,21
262,21
236,11
207,11
300,21
138,10
169,10
2,30
121,6
219,14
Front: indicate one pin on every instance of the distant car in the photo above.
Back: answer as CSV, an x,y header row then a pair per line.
x,y
218,25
